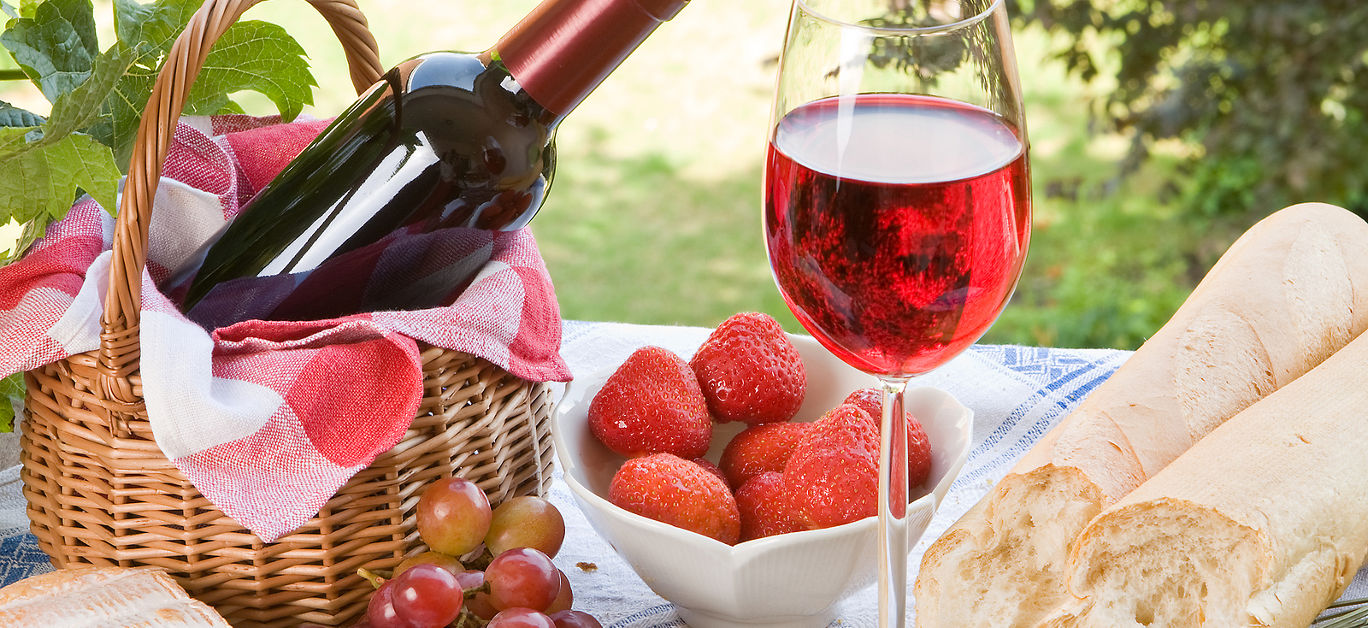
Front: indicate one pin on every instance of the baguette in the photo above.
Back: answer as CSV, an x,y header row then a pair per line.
x,y
104,597
1285,296
1262,523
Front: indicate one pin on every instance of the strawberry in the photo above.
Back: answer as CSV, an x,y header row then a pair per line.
x,y
760,448
918,446
710,467
750,371
676,491
833,474
765,507
652,404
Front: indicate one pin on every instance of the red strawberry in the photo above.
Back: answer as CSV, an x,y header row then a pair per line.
x,y
652,404
918,446
676,491
833,474
765,507
709,467
750,371
760,448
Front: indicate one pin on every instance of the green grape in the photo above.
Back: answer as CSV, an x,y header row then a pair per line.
x,y
526,522
453,516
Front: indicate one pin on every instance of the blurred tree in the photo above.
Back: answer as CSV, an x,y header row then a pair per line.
x,y
1271,96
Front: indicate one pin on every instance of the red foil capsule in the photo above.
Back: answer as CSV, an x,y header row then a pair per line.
x,y
563,49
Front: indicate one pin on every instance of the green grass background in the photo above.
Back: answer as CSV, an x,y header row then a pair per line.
x,y
654,215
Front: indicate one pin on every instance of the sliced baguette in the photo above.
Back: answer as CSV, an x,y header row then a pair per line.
x,y
104,597
1262,523
1289,292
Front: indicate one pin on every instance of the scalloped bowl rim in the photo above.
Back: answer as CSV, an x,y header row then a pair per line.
x,y
573,406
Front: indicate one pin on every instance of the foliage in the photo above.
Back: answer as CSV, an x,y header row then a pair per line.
x,y
11,396
97,98
1267,96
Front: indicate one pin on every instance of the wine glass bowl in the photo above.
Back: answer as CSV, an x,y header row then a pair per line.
x,y
897,200
896,220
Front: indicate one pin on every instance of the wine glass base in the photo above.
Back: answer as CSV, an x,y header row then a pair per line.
x,y
700,619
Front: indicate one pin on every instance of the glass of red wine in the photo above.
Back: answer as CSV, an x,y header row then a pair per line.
x,y
897,201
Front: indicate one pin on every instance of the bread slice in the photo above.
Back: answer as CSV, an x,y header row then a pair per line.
x,y
104,597
1290,292
1262,523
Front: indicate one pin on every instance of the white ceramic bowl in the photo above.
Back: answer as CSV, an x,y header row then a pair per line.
x,y
784,580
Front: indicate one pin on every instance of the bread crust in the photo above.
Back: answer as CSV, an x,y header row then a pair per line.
x,y
104,597
1262,523
1286,295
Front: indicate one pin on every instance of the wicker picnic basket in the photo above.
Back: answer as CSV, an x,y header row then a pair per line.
x,y
99,490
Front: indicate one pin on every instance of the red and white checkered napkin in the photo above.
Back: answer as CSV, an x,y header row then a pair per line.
x,y
267,419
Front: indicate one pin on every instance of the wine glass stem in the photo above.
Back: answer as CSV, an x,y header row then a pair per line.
x,y
893,505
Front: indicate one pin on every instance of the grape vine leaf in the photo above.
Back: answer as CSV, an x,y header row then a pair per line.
x,y
14,116
56,47
43,177
131,25
48,163
11,396
157,24
83,106
8,9
256,56
251,55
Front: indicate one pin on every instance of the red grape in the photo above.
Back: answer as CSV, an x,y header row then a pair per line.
x,y
575,619
526,521
453,516
522,577
381,612
479,604
565,598
427,595
450,563
521,618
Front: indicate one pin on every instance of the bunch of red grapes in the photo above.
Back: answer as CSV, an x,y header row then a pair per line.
x,y
519,588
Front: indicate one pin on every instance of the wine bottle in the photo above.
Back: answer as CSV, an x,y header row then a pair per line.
x,y
446,146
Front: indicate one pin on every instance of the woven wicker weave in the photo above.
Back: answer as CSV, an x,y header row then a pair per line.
x,y
101,492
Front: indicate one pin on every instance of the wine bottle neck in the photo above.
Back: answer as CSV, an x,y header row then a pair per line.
x,y
563,49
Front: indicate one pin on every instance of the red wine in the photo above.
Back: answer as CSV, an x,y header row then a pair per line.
x,y
896,225
390,206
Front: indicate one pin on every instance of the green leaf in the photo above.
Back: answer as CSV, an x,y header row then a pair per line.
x,y
172,16
250,56
14,116
98,99
82,107
56,47
27,8
11,396
256,56
43,177
130,19
122,111
152,28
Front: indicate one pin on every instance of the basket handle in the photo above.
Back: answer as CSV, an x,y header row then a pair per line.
x,y
119,350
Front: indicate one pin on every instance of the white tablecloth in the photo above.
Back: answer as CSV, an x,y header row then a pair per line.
x,y
1016,393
